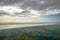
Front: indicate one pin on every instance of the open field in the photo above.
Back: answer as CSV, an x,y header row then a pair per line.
x,y
46,32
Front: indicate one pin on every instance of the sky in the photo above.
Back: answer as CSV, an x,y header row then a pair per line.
x,y
46,9
29,11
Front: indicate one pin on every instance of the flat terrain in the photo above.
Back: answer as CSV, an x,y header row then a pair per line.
x,y
45,32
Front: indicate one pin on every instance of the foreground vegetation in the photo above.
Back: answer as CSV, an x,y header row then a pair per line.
x,y
32,33
28,36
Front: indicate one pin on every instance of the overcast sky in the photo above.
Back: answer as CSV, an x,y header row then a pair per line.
x,y
29,11
29,8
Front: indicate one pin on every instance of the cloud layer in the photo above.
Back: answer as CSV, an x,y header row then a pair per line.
x,y
29,8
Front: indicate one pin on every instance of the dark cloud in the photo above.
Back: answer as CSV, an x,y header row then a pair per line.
x,y
34,4
9,2
42,4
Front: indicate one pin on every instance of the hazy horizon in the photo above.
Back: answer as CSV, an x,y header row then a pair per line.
x,y
29,11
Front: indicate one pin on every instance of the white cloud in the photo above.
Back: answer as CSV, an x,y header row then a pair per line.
x,y
10,9
29,8
29,12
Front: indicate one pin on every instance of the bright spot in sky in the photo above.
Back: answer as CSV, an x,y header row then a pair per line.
x,y
10,9
42,2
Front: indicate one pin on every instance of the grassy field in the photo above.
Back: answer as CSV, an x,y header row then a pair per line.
x,y
47,32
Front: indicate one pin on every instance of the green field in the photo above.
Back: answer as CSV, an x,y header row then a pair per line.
x,y
46,32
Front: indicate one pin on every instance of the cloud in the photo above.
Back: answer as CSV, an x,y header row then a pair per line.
x,y
29,12
29,8
34,4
